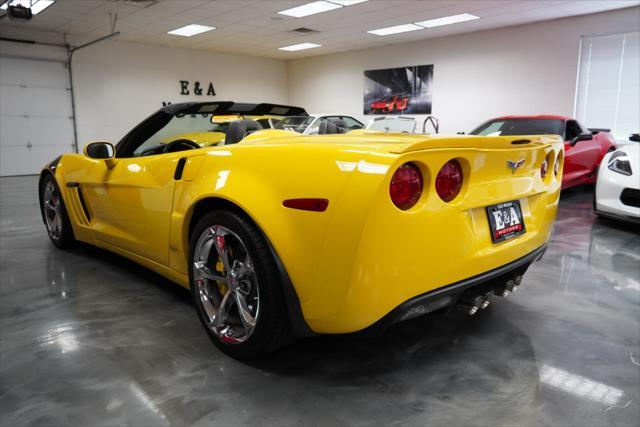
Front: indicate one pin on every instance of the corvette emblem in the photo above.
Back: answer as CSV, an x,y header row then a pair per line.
x,y
514,165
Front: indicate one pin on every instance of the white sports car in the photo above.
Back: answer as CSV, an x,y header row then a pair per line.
x,y
319,124
617,192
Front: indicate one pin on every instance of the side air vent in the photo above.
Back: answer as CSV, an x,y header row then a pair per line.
x,y
520,142
77,203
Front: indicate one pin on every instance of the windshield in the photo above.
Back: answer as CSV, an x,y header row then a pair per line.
x,y
502,127
176,128
395,125
296,123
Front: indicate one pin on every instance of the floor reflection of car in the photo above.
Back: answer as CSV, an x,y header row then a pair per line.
x,y
584,148
617,192
390,104
612,257
319,124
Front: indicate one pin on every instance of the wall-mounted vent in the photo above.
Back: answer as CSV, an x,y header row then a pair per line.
x,y
304,31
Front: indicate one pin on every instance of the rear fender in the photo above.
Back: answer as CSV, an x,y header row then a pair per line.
x,y
258,179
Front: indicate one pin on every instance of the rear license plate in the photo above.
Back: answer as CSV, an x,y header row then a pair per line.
x,y
505,221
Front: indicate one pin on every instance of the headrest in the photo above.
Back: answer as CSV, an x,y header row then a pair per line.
x,y
341,124
238,129
326,127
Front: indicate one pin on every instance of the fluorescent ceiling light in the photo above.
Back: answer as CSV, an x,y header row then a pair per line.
x,y
447,20
191,30
310,9
36,6
301,46
395,30
347,2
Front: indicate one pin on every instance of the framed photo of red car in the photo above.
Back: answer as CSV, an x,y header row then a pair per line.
x,y
402,90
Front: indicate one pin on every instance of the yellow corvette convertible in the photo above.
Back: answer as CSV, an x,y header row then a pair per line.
x,y
281,235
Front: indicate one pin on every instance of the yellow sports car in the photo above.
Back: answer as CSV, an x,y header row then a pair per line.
x,y
281,235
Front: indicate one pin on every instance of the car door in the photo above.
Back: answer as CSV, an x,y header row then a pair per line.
x,y
131,203
580,159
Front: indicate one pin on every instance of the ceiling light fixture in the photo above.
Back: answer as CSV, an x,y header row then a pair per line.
x,y
310,9
300,46
447,20
395,30
36,6
347,2
318,7
190,30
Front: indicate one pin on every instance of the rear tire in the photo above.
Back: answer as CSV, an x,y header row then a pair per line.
x,y
54,212
236,286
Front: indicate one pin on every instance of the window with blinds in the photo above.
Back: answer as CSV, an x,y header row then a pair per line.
x,y
608,90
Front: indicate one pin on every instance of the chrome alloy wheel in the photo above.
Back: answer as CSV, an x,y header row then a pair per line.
x,y
226,284
52,211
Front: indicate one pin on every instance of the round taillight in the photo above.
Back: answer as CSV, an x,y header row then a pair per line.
x,y
406,186
543,169
557,164
449,180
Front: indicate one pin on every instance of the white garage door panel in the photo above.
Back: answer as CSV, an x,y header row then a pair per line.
x,y
16,72
39,131
35,114
22,161
35,102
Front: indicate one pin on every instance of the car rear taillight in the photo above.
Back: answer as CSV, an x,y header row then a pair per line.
x,y
406,186
449,180
557,164
543,169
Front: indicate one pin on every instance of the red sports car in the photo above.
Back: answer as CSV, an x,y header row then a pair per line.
x,y
390,104
584,148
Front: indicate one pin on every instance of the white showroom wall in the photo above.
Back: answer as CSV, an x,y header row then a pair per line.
x,y
117,84
528,69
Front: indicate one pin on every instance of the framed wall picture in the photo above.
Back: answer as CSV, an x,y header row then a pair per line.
x,y
402,90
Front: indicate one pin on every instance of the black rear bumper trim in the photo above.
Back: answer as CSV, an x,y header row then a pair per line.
x,y
455,288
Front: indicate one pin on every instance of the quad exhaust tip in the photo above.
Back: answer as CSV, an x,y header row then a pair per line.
x,y
472,304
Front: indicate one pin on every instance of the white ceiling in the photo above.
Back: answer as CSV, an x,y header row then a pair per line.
x,y
250,27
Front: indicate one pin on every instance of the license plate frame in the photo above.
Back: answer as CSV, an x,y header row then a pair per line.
x,y
502,225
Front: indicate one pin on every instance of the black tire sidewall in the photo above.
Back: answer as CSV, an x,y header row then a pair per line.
x,y
269,322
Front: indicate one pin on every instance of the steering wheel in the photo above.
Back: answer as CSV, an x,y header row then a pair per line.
x,y
179,145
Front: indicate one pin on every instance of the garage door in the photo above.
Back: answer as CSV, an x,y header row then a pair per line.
x,y
36,122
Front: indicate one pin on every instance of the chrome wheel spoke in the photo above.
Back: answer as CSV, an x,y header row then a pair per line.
x,y
222,312
220,243
247,319
206,273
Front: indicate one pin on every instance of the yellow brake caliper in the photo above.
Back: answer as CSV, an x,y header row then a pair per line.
x,y
222,287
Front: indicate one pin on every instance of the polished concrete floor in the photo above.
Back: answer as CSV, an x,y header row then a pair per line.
x,y
88,339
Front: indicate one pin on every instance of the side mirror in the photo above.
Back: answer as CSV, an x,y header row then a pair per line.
x,y
581,137
101,150
635,137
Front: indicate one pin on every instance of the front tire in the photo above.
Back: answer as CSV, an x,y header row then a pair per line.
x,y
236,286
55,215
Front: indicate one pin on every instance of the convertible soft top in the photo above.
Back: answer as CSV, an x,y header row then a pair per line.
x,y
221,108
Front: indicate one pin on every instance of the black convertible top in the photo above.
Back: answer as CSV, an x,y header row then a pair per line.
x,y
223,108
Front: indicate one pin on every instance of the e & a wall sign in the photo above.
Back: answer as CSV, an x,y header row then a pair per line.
x,y
196,88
